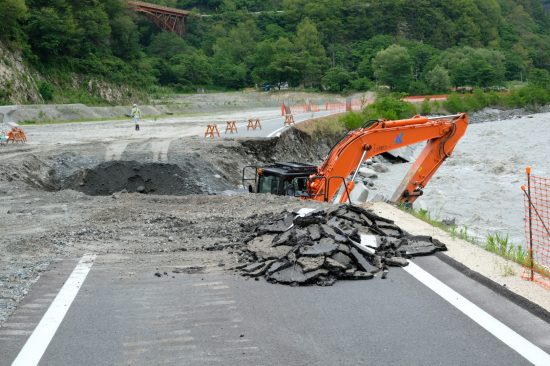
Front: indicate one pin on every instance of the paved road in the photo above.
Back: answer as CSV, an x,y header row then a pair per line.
x,y
124,315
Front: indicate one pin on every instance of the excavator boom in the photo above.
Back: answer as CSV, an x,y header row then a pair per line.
x,y
441,133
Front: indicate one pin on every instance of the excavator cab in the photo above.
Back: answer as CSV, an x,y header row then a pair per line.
x,y
282,179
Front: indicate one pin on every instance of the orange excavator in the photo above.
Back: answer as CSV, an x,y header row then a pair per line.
x,y
334,179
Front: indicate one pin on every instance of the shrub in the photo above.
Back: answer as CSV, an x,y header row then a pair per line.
x,y
426,107
46,90
389,107
454,104
352,120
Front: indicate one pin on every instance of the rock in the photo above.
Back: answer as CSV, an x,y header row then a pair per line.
x,y
334,265
396,262
325,246
314,232
311,263
328,231
359,194
294,274
278,265
277,227
262,247
379,168
449,221
140,189
253,267
343,248
261,270
283,238
367,173
403,154
421,245
361,261
301,236
390,230
343,259
303,221
360,275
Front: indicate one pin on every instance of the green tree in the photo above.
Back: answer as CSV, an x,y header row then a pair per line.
x,y
393,67
52,34
437,79
12,12
476,67
192,69
311,51
337,79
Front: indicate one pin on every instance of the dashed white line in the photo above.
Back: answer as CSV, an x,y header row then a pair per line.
x,y
38,342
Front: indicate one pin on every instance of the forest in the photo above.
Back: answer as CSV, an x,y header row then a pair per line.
x,y
416,47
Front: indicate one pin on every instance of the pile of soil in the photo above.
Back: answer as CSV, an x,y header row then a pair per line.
x,y
131,176
341,242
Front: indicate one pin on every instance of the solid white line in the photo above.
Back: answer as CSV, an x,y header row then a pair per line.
x,y
279,130
532,353
529,351
38,342
275,132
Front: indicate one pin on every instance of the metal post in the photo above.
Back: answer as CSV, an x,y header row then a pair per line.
x,y
531,264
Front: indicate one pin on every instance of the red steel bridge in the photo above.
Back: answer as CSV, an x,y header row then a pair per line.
x,y
169,19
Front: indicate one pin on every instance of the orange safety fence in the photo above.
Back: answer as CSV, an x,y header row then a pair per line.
x,y
349,105
537,229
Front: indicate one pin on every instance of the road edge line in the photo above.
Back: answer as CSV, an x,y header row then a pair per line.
x,y
522,346
38,342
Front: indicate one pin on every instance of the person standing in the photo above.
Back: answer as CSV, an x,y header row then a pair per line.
x,y
136,115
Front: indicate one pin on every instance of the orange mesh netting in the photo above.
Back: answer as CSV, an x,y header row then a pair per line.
x,y
537,225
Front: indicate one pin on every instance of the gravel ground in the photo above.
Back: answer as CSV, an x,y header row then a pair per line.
x,y
191,201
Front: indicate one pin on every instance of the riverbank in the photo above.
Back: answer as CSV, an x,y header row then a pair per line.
x,y
503,272
494,114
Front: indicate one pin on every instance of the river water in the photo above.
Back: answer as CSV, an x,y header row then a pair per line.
x,y
479,185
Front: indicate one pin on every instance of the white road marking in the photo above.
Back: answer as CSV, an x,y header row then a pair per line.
x,y
275,132
38,342
528,350
280,130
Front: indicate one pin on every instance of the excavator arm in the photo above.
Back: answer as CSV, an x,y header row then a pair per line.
x,y
441,133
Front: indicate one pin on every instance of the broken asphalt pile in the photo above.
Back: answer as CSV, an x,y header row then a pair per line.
x,y
341,242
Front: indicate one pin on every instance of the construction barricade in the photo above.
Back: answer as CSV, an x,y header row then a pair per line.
x,y
231,127
211,130
253,123
16,135
537,229
289,120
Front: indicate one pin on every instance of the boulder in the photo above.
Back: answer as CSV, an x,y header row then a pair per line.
x,y
367,173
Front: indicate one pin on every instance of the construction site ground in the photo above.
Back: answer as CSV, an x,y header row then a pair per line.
x,y
161,289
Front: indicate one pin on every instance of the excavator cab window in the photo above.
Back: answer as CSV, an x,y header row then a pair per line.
x,y
268,184
296,186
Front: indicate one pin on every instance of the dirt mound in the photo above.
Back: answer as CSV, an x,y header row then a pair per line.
x,y
345,242
132,176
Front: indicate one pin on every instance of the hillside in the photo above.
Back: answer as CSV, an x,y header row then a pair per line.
x,y
100,51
